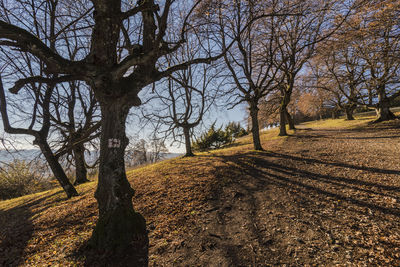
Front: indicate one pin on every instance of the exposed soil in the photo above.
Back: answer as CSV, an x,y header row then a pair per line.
x,y
318,197
322,197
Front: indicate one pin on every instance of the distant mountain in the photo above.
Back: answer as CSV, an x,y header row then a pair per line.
x,y
30,154
171,155
23,154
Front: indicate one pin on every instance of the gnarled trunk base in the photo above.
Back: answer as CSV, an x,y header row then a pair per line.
x,y
383,108
190,154
384,114
119,230
122,231
349,113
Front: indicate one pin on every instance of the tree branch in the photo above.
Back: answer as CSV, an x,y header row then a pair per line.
x,y
39,79
6,122
30,43
140,8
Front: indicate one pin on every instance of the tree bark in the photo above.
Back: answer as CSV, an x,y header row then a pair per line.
x,y
188,145
349,109
289,120
80,165
334,114
383,109
282,122
255,128
56,168
283,113
119,228
384,114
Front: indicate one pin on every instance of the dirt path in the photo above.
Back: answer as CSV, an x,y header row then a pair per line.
x,y
323,197
319,197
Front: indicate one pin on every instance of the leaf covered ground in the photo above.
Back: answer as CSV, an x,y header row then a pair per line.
x,y
329,194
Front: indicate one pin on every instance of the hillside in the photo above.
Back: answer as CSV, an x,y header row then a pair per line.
x,y
327,194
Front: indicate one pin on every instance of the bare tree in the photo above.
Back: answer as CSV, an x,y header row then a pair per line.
x,y
76,114
250,61
378,47
136,153
359,62
116,72
182,100
62,136
75,121
337,70
157,148
38,93
145,151
270,108
296,40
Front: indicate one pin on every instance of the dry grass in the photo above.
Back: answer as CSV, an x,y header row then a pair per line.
x,y
339,123
179,198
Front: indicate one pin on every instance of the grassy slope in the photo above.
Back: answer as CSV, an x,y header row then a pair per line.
x,y
46,229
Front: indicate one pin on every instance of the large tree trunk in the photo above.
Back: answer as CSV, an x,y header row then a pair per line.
x,y
119,228
56,168
335,114
384,114
80,165
383,109
284,116
188,145
289,120
255,128
349,110
282,122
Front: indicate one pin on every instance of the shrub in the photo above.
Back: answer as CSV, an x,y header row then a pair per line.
x,y
235,129
212,139
20,178
215,138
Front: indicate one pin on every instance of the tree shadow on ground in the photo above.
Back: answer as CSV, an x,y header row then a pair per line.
x,y
277,173
17,229
319,136
84,253
368,137
257,173
333,163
